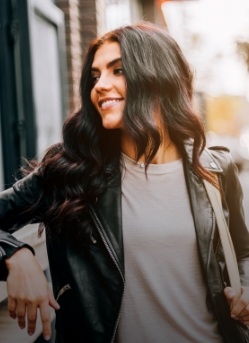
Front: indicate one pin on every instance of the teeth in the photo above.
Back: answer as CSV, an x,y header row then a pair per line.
x,y
108,102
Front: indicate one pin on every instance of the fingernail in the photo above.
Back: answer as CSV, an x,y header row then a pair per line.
x,y
47,338
30,333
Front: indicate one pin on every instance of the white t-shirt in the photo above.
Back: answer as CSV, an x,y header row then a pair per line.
x,y
165,295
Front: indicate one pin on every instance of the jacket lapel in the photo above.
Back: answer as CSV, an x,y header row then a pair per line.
x,y
108,211
203,216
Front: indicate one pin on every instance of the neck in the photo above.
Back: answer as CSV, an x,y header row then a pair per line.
x,y
167,151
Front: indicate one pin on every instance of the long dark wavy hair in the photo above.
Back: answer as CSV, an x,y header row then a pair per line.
x,y
157,74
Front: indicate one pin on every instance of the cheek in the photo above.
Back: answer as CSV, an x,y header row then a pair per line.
x,y
122,87
93,98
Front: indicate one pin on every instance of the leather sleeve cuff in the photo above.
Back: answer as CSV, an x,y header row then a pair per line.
x,y
8,246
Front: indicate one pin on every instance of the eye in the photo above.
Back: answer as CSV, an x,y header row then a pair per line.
x,y
94,79
118,71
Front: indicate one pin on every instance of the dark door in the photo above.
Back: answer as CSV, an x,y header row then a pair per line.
x,y
33,92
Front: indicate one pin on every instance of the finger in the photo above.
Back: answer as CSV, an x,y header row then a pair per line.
x,y
244,314
52,302
46,320
21,312
12,307
242,318
245,322
241,304
231,297
31,316
229,293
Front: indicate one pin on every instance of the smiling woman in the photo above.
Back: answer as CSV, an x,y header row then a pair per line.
x,y
132,240
109,86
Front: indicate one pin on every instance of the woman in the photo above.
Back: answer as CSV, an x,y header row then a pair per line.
x,y
132,242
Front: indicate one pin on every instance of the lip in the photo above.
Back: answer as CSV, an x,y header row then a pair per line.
x,y
108,102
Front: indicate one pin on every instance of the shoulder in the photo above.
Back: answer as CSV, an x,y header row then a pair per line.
x,y
217,158
220,153
219,148
53,151
223,164
30,182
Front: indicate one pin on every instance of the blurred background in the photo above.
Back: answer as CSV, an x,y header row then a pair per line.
x,y
43,44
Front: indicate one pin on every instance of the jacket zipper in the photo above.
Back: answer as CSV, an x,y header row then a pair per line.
x,y
243,334
113,257
211,238
63,290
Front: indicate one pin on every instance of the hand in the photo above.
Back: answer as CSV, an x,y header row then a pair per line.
x,y
28,291
240,306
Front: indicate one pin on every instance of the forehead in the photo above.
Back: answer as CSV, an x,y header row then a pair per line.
x,y
107,52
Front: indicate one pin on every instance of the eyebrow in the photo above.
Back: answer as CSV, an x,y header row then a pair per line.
x,y
109,64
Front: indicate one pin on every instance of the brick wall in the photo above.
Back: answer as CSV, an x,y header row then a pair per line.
x,y
88,20
84,21
80,29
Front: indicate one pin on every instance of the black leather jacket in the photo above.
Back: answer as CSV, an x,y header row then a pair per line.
x,y
89,287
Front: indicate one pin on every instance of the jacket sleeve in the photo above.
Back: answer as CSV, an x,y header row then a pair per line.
x,y
234,211
14,203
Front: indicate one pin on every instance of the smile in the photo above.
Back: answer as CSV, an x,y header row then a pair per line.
x,y
105,104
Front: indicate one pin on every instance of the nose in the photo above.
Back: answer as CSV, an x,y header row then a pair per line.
x,y
103,83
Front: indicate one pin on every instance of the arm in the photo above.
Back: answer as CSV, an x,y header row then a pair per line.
x,y
28,291
27,286
14,204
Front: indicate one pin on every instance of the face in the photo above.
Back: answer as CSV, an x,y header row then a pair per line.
x,y
109,85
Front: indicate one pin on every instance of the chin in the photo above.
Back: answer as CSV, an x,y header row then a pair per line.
x,y
112,126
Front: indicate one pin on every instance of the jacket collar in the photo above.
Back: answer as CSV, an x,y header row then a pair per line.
x,y
207,160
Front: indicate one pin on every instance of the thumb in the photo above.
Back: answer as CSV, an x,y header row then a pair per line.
x,y
52,302
229,293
